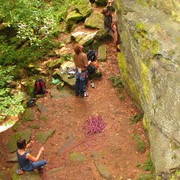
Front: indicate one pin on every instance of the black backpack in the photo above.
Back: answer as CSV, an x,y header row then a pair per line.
x,y
91,55
31,102
39,87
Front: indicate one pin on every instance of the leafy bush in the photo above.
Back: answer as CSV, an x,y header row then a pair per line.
x,y
34,24
10,104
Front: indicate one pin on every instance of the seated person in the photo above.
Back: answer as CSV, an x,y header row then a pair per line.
x,y
109,25
92,61
26,161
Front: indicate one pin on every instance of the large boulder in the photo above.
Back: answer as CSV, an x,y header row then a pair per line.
x,y
149,63
27,115
95,20
84,37
78,12
44,135
73,17
84,8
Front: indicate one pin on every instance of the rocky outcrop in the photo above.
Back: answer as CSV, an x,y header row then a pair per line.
x,y
79,12
84,38
149,63
95,20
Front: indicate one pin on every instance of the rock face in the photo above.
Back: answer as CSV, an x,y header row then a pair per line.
x,y
149,62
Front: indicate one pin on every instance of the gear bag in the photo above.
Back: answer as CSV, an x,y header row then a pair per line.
x,y
39,87
91,55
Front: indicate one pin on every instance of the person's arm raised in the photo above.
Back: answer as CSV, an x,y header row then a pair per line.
x,y
34,159
29,144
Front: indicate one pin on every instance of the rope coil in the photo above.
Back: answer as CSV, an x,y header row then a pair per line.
x,y
92,125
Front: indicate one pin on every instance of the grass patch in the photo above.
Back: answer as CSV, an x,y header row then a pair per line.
x,y
148,165
139,144
145,177
136,118
118,85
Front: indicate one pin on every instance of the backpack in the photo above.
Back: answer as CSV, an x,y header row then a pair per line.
x,y
91,55
39,87
31,102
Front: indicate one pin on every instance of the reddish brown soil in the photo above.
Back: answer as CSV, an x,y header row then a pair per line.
x,y
114,147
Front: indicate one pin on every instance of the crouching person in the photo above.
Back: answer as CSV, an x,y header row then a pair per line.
x,y
26,161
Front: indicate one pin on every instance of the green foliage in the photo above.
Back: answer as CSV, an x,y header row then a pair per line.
x,y
145,177
176,175
66,57
136,118
10,104
116,82
140,145
32,19
148,165
5,75
33,24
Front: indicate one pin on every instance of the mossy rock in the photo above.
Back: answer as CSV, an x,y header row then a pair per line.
x,y
77,157
32,175
101,34
28,115
43,136
34,126
102,53
94,21
12,157
73,17
43,118
84,7
54,63
11,145
103,170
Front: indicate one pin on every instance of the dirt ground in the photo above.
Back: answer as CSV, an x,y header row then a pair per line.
x,y
114,147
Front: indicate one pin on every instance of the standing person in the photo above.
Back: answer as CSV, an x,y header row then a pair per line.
x,y
109,25
81,62
26,161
